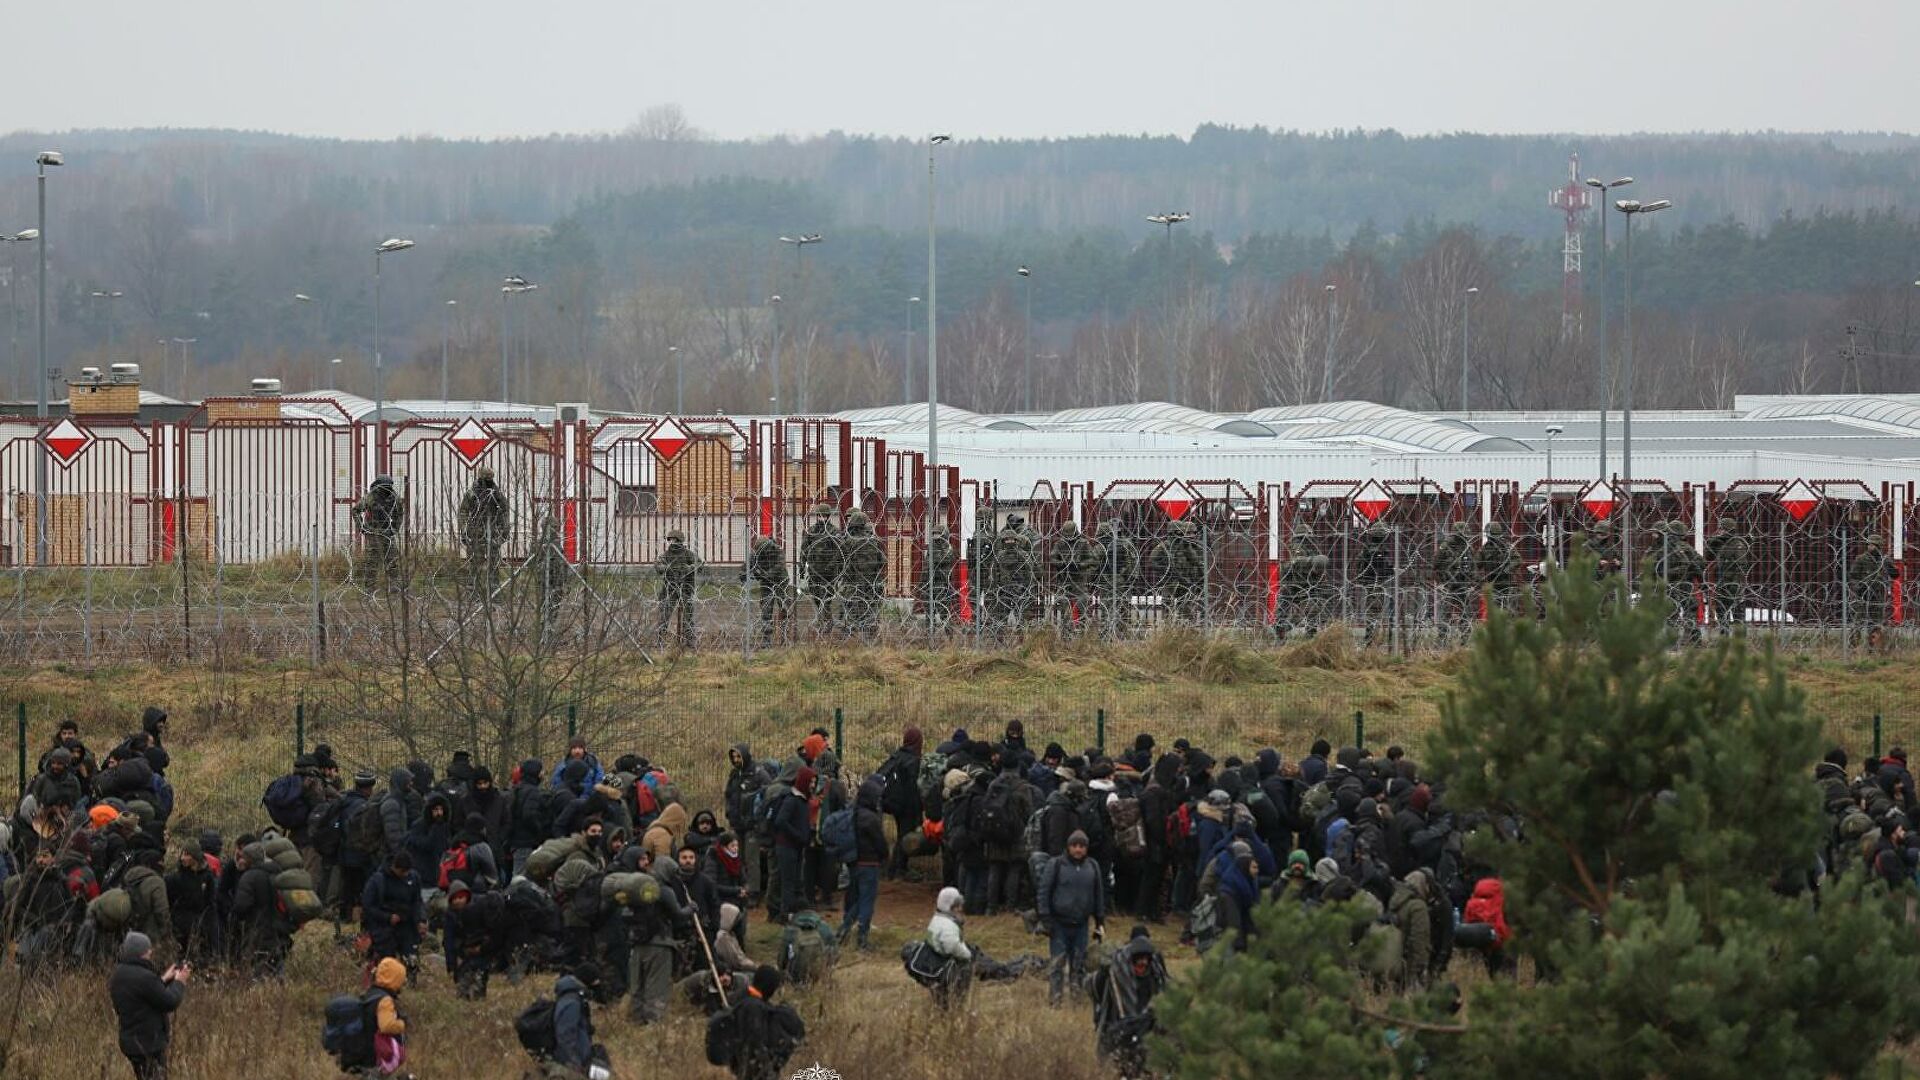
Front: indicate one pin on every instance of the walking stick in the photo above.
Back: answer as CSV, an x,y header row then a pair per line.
x,y
712,968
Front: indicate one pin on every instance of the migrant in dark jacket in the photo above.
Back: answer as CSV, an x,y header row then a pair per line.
x,y
142,1001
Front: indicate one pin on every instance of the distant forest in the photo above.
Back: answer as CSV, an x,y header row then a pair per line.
x,y
1789,263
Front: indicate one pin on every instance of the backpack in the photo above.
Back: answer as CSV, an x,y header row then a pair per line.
x,y
996,820
546,858
1129,828
363,831
348,1027
1205,925
534,1028
453,867
808,948
1180,830
723,1039
162,797
900,778
924,965
958,819
286,801
111,910
933,772
1093,822
836,835
1032,836
295,897
1315,801
323,830
635,889
585,901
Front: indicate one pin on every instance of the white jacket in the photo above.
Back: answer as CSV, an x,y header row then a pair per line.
x,y
943,933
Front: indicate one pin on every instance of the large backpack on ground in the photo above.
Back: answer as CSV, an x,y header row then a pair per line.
x,y
1129,829
349,1026
286,801
546,858
836,835
112,910
924,963
808,948
535,1030
998,823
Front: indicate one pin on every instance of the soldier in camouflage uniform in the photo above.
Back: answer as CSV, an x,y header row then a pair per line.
x,y
766,576
1458,569
1012,563
1870,577
863,577
550,562
679,571
1498,561
1290,606
822,549
1119,564
1374,576
380,513
940,561
1322,592
1680,568
1075,565
1181,562
483,528
1731,558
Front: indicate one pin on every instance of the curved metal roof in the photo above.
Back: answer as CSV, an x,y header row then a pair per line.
x,y
1410,432
1174,419
1872,410
1330,412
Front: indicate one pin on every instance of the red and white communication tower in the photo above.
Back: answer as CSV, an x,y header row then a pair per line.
x,y
1571,200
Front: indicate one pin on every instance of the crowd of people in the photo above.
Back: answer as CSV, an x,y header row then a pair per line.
x,y
600,875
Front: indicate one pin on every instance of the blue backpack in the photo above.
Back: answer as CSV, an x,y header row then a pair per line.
x,y
836,835
348,1029
286,802
162,797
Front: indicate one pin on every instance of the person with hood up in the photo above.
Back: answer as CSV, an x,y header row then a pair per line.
x,y
495,810
1071,893
572,1024
392,909
1235,895
900,796
389,1027
257,930
58,782
664,837
1483,925
946,934
745,778
870,851
1123,990
766,1034
191,888
531,812
153,721
1411,909
792,834
427,841
702,833
396,810
144,1001
1013,744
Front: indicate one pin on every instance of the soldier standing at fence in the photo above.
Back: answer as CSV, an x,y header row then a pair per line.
x,y
1322,592
550,562
1119,562
766,573
679,571
1731,557
821,556
380,513
1183,566
1681,569
1013,564
483,528
1075,565
1871,579
1497,564
1290,605
940,561
1459,574
1375,576
863,576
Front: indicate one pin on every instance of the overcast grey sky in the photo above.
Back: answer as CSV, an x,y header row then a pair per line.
x,y
380,68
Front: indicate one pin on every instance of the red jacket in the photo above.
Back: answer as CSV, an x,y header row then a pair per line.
x,y
1489,905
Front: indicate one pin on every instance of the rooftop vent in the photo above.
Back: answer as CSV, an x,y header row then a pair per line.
x,y
124,373
266,388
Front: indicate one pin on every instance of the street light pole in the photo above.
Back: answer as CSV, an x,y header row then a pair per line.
x,y
1632,208
906,366
1026,351
1326,371
511,285
800,242
1606,358
46,158
13,302
446,327
1170,219
679,381
933,387
1466,340
385,247
774,400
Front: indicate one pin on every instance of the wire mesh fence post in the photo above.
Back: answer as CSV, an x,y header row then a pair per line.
x,y
1876,734
1359,729
1846,605
299,728
1100,728
219,580
839,733
20,744
319,609
86,605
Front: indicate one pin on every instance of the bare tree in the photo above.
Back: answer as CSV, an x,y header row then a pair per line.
x,y
666,122
1433,294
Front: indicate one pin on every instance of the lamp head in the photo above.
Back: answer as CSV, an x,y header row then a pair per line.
x,y
50,157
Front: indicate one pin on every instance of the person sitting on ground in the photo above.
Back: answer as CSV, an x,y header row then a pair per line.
x,y
765,1034
946,932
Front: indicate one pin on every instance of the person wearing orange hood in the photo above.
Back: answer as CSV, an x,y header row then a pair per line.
x,y
663,837
390,1028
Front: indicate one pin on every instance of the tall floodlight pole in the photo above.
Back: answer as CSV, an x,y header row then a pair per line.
x,y
800,242
107,297
1466,341
24,236
385,247
1026,342
1326,368
45,159
679,381
773,400
446,328
1606,358
933,384
1169,219
906,366
1632,208
510,286
186,345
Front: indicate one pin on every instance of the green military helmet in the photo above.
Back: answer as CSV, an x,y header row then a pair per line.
x,y
1182,526
762,543
1495,530
857,519
1376,531
1104,530
939,532
1317,562
1676,528
483,473
1461,529
822,511
676,537
1725,525
1070,528
1875,542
